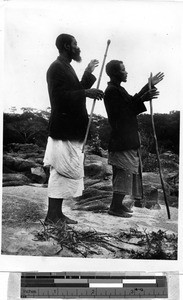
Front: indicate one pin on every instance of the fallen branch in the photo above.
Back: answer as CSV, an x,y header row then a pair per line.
x,y
81,242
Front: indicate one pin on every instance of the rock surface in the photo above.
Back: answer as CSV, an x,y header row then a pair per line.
x,y
24,208
25,203
20,159
14,179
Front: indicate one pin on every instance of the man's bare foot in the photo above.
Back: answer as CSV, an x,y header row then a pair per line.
x,y
67,220
126,209
119,213
51,221
59,220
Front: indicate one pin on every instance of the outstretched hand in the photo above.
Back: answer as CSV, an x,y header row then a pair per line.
x,y
149,95
156,78
92,65
94,94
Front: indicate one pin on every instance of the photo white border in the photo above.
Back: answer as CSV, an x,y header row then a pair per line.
x,y
53,264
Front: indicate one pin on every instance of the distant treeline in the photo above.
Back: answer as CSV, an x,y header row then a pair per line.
x,y
167,131
31,126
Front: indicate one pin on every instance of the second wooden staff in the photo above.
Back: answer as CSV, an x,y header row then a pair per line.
x,y
98,84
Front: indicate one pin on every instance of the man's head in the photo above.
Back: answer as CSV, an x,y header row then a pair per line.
x,y
115,69
66,43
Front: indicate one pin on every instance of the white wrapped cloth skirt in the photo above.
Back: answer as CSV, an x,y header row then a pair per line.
x,y
65,159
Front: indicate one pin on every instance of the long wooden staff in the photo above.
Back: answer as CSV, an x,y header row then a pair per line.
x,y
157,151
98,84
140,168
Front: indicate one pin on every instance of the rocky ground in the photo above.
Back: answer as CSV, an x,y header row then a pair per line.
x,y
148,234
24,208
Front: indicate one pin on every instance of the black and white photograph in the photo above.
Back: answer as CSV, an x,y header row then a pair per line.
x,y
91,108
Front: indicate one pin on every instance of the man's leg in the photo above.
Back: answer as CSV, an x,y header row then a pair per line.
x,y
54,210
55,214
117,208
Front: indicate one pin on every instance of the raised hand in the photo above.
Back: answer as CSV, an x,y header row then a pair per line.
x,y
94,94
92,65
156,78
149,95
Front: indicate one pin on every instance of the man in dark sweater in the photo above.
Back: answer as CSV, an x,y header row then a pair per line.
x,y
67,126
122,110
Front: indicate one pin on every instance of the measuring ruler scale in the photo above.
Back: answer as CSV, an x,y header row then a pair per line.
x,y
92,285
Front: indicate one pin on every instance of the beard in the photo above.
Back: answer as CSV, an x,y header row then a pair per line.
x,y
75,55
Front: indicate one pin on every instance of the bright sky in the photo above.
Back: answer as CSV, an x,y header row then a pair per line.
x,y
146,36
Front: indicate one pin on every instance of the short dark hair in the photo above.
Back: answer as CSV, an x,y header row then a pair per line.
x,y
112,67
63,39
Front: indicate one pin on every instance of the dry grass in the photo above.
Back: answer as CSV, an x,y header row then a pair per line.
x,y
154,245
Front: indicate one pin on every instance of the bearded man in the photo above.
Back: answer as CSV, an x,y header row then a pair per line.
x,y
67,126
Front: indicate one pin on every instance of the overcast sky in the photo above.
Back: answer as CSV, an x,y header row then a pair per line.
x,y
146,36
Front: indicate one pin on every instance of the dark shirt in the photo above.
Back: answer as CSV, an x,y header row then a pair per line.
x,y
69,118
122,110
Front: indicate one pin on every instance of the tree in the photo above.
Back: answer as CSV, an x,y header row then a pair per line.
x,y
29,127
167,130
32,127
100,130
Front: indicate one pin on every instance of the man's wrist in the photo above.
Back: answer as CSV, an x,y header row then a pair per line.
x,y
88,70
86,93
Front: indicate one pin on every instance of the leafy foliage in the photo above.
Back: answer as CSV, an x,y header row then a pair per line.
x,y
32,127
167,131
29,127
100,131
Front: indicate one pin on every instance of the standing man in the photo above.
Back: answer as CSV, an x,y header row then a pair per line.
x,y
67,126
122,110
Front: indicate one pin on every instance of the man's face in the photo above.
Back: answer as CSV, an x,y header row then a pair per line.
x,y
122,74
74,51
